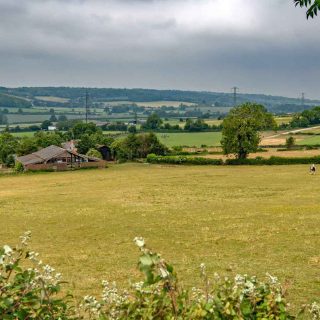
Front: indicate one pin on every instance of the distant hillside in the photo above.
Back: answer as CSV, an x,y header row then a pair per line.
x,y
275,104
8,101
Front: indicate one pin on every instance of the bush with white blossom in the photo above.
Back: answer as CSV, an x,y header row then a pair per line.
x,y
30,289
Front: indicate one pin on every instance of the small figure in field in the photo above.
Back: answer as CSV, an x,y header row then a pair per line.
x,y
313,169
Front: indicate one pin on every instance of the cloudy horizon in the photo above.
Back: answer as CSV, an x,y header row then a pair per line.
x,y
206,45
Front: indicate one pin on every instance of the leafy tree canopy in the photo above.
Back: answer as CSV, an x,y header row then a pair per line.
x,y
46,124
240,133
153,122
313,6
94,153
81,128
8,146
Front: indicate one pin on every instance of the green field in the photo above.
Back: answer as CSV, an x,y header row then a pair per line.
x,y
310,140
24,134
235,219
190,139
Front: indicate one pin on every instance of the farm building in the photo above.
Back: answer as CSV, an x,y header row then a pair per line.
x,y
106,153
70,146
60,159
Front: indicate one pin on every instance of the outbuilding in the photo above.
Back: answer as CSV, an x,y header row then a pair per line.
x,y
57,158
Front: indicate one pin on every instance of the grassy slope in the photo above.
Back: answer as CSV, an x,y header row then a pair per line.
x,y
244,219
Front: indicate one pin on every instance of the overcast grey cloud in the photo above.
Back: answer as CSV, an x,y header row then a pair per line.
x,y
262,46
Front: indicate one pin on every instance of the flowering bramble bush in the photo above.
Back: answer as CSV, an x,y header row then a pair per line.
x,y
30,289
29,292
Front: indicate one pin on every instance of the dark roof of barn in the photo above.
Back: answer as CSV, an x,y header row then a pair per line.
x,y
42,155
48,153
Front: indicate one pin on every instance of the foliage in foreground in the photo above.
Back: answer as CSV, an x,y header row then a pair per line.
x,y
31,290
313,6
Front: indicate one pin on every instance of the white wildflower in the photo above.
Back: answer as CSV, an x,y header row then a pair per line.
x,y
272,279
239,279
138,286
92,304
25,238
315,311
139,241
249,288
7,250
164,272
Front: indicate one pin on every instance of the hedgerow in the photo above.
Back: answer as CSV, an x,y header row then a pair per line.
x,y
152,158
178,160
273,161
30,289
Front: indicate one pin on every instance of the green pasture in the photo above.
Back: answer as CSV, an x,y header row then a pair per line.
x,y
249,220
190,139
309,140
23,134
25,118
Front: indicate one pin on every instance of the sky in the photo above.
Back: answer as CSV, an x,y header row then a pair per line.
x,y
260,46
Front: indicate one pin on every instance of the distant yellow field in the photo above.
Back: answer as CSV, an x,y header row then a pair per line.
x,y
157,104
52,99
281,120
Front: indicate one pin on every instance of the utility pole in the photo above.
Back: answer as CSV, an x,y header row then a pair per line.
x,y
302,98
235,91
87,105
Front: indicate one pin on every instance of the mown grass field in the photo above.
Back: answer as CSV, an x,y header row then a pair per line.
x,y
235,219
23,134
190,139
309,140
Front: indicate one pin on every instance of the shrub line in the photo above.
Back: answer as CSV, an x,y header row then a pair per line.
x,y
181,160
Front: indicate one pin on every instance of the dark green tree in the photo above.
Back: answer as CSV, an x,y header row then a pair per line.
x,y
81,128
313,6
45,124
46,139
240,133
26,145
3,118
8,145
290,142
94,153
138,146
154,122
149,143
53,118
85,144
132,129
195,125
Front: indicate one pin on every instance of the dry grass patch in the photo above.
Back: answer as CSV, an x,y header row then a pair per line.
x,y
235,219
